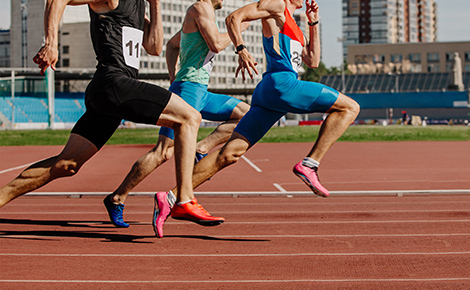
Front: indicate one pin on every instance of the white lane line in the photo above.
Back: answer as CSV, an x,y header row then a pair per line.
x,y
240,193
279,187
196,282
293,236
240,255
251,164
17,167
465,210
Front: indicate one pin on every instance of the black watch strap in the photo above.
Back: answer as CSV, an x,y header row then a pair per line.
x,y
240,48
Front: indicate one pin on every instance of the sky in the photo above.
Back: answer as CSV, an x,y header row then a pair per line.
x,y
452,17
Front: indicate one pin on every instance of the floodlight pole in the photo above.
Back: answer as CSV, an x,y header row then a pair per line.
x,y
12,97
50,95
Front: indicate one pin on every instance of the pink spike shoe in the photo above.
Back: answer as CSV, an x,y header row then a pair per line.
x,y
310,177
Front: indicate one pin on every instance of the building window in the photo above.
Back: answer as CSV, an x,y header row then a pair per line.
x,y
65,49
66,62
396,58
449,56
467,56
433,57
415,57
433,68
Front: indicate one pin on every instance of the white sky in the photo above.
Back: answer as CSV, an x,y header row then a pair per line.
x,y
453,24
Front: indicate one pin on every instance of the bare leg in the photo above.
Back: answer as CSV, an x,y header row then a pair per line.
x,y
185,121
223,132
75,153
164,151
229,154
341,115
144,166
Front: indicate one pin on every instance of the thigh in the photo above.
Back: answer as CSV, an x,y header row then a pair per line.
x,y
128,99
95,127
256,123
219,107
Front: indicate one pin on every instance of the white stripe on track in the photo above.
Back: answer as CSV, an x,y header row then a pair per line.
x,y
251,164
17,167
241,193
237,255
197,282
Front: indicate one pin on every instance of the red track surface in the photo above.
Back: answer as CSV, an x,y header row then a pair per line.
x,y
341,242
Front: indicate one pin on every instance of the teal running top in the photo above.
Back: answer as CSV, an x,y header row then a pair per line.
x,y
196,60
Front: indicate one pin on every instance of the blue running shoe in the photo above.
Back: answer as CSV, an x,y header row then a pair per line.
x,y
115,212
199,156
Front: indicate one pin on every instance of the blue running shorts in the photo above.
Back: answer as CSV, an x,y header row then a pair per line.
x,y
213,107
279,93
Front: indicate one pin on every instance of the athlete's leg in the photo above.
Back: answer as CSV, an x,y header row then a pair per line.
x,y
144,166
343,112
185,121
75,153
222,133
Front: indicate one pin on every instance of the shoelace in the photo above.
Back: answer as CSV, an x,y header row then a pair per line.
x,y
118,212
199,207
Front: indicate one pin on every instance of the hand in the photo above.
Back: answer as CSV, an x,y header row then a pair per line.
x,y
46,56
311,10
246,61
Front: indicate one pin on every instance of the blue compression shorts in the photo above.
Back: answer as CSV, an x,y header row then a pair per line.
x,y
279,93
213,107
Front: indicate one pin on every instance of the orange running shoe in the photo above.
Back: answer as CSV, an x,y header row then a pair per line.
x,y
194,212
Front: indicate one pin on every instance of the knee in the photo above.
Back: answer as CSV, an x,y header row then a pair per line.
x,y
354,108
193,117
64,168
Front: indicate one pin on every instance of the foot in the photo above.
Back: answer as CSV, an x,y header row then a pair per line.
x,y
194,212
164,202
115,212
310,177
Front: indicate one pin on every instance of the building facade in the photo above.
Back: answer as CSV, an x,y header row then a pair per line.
x,y
76,52
388,21
4,48
407,57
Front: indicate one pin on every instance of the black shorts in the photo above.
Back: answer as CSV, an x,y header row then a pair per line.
x,y
111,99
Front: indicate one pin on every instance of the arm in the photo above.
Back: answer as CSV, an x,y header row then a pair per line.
x,y
204,17
311,52
153,30
48,54
172,54
261,10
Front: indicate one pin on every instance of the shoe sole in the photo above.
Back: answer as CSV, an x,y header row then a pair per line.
x,y
156,211
110,217
309,184
205,223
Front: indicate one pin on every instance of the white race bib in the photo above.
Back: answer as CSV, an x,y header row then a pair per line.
x,y
131,45
209,62
296,54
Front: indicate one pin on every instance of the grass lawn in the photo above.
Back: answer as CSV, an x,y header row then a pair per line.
x,y
357,133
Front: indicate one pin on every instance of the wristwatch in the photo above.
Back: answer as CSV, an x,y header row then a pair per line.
x,y
240,48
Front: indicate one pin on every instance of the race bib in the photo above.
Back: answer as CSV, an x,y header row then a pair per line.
x,y
209,62
131,46
296,54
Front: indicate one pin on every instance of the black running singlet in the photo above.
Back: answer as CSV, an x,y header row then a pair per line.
x,y
117,37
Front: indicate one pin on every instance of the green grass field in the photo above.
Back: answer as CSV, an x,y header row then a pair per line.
x,y
361,133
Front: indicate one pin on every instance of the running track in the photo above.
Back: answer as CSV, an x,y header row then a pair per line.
x,y
398,217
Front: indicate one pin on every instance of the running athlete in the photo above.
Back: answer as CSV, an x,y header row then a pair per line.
x,y
280,91
119,28
196,45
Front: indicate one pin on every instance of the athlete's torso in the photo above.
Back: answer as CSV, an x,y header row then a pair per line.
x,y
284,50
196,60
117,37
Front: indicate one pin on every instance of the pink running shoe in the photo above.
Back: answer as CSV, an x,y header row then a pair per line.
x,y
164,202
310,177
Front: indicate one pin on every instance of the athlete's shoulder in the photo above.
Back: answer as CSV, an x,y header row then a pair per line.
x,y
273,6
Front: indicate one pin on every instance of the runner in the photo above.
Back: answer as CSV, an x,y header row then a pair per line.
x,y
119,28
280,91
196,46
